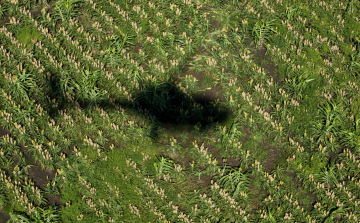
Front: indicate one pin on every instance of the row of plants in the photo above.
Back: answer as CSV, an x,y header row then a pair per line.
x,y
294,105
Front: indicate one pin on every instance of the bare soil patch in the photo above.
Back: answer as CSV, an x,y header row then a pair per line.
x,y
261,60
40,177
137,48
3,217
257,194
273,155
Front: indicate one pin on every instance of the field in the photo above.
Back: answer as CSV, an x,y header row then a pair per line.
x,y
179,111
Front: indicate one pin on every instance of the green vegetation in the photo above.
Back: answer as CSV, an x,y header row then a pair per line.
x,y
179,111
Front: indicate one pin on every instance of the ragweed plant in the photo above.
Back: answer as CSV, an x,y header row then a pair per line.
x,y
234,182
298,83
261,31
163,166
111,57
229,136
329,123
290,12
23,116
2,10
327,175
21,84
355,64
46,215
352,137
87,89
153,97
66,9
62,86
122,41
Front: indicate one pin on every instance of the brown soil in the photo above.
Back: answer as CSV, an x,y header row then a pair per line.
x,y
258,194
35,12
273,155
36,174
215,153
137,48
176,157
213,94
261,60
3,217
84,19
55,199
233,162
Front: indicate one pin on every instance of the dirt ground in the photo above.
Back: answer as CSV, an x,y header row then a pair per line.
x,y
38,176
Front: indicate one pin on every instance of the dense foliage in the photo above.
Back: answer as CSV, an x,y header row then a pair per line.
x,y
180,111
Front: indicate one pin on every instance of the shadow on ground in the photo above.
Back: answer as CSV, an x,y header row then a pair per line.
x,y
165,104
